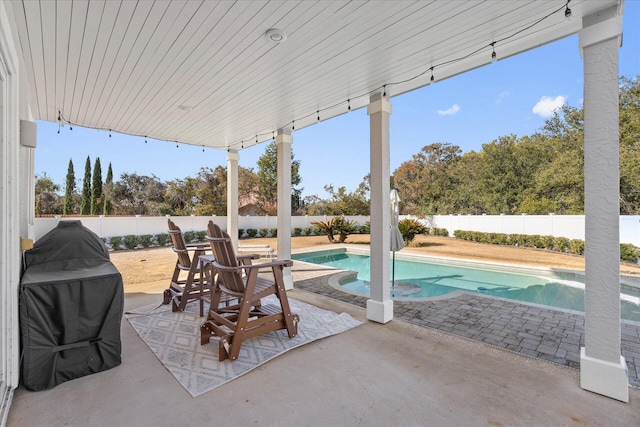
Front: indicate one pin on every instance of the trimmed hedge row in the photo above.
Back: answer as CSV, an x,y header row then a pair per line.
x,y
131,241
628,252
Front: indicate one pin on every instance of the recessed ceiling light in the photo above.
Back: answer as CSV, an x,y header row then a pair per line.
x,y
185,107
275,36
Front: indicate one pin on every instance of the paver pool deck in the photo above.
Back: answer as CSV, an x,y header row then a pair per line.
x,y
550,334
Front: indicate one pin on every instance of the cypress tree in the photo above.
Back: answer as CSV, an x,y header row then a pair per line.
x,y
96,189
70,190
108,185
85,202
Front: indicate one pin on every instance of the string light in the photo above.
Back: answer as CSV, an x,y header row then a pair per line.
x,y
203,148
494,58
145,139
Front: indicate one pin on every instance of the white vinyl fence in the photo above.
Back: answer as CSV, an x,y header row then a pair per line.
x,y
569,226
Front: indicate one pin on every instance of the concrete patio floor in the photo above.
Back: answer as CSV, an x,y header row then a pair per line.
x,y
395,374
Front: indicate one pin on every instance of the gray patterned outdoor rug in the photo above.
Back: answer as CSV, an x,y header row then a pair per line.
x,y
175,339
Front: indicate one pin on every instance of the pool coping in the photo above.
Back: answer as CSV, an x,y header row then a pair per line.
x,y
626,280
340,274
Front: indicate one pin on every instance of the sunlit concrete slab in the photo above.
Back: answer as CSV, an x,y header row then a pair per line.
x,y
392,374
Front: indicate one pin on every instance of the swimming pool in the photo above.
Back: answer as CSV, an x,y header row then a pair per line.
x,y
415,278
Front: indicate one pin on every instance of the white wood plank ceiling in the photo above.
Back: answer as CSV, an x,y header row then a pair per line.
x,y
203,72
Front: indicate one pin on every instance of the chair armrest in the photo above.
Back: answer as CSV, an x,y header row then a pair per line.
x,y
197,246
270,264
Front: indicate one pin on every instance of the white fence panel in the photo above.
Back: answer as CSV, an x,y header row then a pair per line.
x,y
569,226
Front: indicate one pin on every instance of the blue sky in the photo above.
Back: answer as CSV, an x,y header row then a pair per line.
x,y
511,96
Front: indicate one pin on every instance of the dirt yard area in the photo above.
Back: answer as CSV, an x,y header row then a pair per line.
x,y
147,270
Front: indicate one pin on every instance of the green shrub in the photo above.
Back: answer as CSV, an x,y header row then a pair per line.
x,y
409,228
365,228
274,232
440,231
307,231
561,244
576,246
547,242
240,233
162,239
146,240
629,252
115,241
131,241
264,232
189,236
297,231
201,236
252,232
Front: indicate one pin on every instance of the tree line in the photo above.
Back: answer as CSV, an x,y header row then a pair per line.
x,y
536,174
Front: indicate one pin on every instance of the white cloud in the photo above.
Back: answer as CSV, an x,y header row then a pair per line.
x,y
547,105
453,110
503,95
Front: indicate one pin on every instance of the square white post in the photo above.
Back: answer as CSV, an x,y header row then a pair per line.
x,y
380,305
232,196
284,141
602,368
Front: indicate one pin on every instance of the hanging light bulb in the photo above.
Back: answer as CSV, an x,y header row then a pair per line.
x,y
494,57
348,105
318,112
567,12
145,139
433,79
293,127
109,133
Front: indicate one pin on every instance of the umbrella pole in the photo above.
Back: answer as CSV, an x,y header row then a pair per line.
x,y
393,271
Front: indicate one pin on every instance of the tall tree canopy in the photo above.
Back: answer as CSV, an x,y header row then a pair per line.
x,y
538,174
139,195
47,199
268,181
70,190
108,188
85,201
96,189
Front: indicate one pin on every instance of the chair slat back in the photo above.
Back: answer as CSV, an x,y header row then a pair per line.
x,y
179,245
223,252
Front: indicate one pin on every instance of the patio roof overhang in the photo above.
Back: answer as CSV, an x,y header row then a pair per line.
x,y
204,73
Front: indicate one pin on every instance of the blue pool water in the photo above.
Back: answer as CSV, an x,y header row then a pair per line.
x,y
433,279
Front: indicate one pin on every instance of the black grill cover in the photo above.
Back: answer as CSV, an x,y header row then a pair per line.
x,y
71,303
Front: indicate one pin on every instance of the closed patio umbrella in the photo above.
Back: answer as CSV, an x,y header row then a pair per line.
x,y
397,242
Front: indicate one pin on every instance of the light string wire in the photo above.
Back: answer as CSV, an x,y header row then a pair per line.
x,y
383,87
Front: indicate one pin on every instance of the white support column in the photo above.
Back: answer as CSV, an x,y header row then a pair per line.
x,y
284,141
232,196
380,305
603,369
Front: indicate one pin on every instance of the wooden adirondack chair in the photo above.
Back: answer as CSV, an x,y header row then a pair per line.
x,y
236,323
188,287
